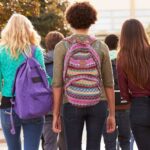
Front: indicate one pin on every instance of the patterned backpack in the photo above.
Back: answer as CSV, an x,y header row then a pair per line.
x,y
81,74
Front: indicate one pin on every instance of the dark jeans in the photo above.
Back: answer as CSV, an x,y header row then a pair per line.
x,y
74,119
140,122
122,132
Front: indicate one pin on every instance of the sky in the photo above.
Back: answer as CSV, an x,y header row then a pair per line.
x,y
118,4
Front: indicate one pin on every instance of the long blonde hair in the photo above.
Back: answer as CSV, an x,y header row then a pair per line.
x,y
18,35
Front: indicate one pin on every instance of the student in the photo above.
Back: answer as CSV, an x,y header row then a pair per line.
x,y
49,137
71,61
16,39
134,78
122,107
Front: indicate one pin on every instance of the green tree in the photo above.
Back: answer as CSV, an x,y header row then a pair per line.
x,y
25,7
51,17
46,15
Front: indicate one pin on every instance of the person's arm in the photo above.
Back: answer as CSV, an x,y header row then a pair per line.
x,y
59,53
40,57
111,122
0,77
111,100
0,82
57,93
107,78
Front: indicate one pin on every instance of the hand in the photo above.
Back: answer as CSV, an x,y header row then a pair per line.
x,y
111,124
56,125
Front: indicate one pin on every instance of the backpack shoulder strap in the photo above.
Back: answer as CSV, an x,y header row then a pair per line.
x,y
91,40
33,49
68,42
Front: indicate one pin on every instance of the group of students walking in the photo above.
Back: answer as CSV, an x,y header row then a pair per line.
x,y
88,78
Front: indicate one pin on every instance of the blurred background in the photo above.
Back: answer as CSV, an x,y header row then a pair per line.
x,y
47,15
112,14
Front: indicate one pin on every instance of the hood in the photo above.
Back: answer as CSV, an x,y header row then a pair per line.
x,y
48,57
113,54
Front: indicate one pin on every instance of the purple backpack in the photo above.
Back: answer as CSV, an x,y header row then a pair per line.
x,y
81,74
32,94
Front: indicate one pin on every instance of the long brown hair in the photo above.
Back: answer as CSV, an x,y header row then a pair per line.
x,y
134,54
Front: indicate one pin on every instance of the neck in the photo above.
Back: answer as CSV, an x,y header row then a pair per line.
x,y
81,31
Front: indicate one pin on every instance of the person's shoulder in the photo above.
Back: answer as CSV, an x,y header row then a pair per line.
x,y
38,50
4,51
61,46
2,48
101,48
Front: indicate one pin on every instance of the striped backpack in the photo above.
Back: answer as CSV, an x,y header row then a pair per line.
x,y
81,73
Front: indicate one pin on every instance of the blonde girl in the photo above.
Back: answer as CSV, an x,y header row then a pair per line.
x,y
17,38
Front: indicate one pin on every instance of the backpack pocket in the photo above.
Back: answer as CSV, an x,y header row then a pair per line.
x,y
83,91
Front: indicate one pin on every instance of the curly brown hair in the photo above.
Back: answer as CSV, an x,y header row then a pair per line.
x,y
51,39
81,15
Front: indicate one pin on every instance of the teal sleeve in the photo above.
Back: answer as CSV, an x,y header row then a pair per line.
x,y
0,82
40,58
0,77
